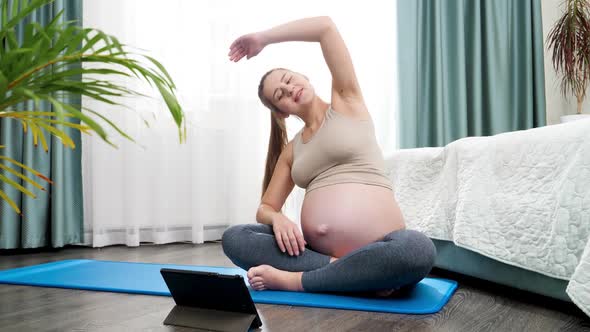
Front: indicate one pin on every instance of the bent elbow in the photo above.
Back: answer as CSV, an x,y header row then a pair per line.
x,y
260,214
327,18
327,23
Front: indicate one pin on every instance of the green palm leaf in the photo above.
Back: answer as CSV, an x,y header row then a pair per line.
x,y
4,196
58,60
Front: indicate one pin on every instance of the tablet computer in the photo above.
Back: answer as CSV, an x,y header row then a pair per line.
x,y
210,300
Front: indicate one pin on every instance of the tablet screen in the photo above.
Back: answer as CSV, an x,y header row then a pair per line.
x,y
209,290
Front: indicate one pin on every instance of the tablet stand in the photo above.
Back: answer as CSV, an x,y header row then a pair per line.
x,y
207,319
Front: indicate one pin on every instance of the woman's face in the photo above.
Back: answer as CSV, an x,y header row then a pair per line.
x,y
288,91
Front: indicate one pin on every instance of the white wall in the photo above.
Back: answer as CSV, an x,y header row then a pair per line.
x,y
557,105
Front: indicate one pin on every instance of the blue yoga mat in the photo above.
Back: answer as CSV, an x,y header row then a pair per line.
x,y
429,296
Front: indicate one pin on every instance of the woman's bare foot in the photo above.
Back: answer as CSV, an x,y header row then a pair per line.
x,y
267,277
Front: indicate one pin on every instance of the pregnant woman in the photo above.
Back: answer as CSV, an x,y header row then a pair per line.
x,y
354,237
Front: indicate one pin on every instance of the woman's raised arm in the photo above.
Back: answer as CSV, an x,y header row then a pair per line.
x,y
313,29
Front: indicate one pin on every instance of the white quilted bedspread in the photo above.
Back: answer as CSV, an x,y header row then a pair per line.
x,y
520,197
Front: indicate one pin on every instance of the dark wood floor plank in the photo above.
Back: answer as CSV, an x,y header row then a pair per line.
x,y
476,306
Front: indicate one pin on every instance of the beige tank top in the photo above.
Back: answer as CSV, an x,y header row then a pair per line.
x,y
343,150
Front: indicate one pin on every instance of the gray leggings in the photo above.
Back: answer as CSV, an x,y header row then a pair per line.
x,y
400,260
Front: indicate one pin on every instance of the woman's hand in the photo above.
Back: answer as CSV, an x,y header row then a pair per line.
x,y
288,236
247,45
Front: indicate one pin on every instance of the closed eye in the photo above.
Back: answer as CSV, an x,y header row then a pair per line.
x,y
287,83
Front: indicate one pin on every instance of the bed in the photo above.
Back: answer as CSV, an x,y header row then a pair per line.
x,y
512,208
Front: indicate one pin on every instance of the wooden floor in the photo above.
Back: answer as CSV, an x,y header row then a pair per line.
x,y
476,305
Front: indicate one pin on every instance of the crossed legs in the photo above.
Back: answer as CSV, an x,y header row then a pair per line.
x,y
402,258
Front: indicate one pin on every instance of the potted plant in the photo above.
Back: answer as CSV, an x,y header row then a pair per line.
x,y
569,41
42,68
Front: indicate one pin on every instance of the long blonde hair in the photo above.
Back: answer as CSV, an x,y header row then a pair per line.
x,y
278,134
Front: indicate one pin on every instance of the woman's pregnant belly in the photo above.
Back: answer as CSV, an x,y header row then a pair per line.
x,y
338,219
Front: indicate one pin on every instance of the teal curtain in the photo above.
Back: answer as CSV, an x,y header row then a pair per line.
x,y
468,68
55,217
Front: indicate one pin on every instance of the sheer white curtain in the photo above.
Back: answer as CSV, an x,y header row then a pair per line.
x,y
161,191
